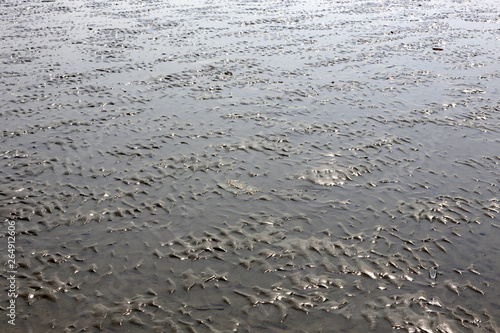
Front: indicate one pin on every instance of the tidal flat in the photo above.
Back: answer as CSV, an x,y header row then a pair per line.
x,y
250,166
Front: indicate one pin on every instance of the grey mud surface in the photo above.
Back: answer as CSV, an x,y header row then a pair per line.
x,y
251,166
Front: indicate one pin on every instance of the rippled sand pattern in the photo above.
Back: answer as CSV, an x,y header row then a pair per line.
x,y
251,166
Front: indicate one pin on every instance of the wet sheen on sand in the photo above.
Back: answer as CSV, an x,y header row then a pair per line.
x,y
251,166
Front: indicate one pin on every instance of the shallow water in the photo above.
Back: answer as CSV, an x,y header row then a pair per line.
x,y
251,166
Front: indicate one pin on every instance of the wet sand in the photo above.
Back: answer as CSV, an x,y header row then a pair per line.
x,y
251,166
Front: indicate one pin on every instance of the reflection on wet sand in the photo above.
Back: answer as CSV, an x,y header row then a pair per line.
x,y
251,166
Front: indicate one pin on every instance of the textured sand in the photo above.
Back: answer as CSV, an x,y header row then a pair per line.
x,y
251,166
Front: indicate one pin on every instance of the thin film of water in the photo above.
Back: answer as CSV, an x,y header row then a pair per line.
x,y
298,166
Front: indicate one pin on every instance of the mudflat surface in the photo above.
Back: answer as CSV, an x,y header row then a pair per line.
x,y
251,166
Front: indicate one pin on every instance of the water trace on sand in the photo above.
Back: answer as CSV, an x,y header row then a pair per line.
x,y
251,166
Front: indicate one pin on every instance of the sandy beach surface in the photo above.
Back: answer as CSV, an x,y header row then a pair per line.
x,y
250,166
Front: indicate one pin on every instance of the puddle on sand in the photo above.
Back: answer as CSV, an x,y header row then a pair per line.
x,y
251,166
